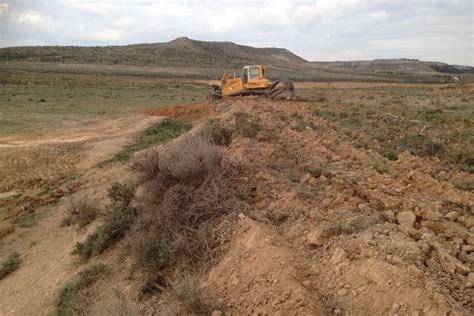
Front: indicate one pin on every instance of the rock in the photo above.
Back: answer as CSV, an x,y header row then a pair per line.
x,y
342,292
241,216
470,240
470,279
447,262
469,222
338,256
217,313
316,237
464,257
389,216
451,216
406,218
406,221
306,283
431,215
467,248
395,308
462,268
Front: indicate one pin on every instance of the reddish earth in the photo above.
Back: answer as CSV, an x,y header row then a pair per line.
x,y
184,112
326,234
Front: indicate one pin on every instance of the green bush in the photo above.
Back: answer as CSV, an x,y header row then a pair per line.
x,y
69,300
10,264
390,155
117,220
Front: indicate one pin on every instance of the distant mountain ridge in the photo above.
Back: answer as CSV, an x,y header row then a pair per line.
x,y
398,65
181,52
203,59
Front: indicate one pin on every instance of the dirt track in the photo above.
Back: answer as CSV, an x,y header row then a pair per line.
x,y
33,161
43,158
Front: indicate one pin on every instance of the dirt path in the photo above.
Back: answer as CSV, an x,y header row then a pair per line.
x,y
45,248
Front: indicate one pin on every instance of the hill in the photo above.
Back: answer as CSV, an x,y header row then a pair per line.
x,y
397,65
184,57
181,52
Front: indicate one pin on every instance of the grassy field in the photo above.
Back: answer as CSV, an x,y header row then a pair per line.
x,y
428,121
35,101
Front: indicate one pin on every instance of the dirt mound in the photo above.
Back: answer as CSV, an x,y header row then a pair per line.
x,y
341,229
186,112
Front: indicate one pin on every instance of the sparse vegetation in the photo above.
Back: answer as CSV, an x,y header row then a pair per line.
x,y
81,212
380,166
71,299
405,121
118,219
218,132
31,218
187,291
246,125
390,155
158,133
301,122
10,264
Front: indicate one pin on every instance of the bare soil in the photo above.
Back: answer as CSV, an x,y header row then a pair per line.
x,y
31,162
329,232
345,239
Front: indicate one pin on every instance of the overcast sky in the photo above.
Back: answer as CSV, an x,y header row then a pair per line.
x,y
440,30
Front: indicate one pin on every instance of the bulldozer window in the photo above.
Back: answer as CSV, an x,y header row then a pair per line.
x,y
254,72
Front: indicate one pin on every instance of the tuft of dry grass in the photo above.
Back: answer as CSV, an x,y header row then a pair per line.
x,y
247,125
380,166
81,212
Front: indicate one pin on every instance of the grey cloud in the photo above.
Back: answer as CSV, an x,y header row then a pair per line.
x,y
317,30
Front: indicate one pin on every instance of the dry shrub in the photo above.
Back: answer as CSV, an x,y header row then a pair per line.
x,y
217,132
186,296
190,158
190,186
122,193
81,212
247,125
115,303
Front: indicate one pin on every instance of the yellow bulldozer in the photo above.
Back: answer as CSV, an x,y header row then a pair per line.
x,y
251,82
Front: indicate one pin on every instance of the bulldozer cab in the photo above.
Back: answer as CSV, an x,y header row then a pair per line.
x,y
252,73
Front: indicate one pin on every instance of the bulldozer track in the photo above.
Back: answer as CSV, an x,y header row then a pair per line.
x,y
35,166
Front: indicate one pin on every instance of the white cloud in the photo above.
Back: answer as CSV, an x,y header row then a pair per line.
x,y
31,18
108,35
316,29
378,14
